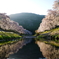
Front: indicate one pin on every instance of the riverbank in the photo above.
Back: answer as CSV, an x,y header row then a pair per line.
x,y
28,51
8,37
12,48
48,51
49,37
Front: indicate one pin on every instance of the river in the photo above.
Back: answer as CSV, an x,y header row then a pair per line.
x,y
32,50
28,51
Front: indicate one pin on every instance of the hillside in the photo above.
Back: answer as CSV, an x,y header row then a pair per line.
x,y
48,31
8,25
29,21
49,37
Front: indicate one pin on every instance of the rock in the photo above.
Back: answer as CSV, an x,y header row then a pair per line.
x,y
7,24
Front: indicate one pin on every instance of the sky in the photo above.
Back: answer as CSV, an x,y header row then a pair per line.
x,y
30,6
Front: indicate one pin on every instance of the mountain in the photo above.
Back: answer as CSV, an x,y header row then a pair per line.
x,y
29,21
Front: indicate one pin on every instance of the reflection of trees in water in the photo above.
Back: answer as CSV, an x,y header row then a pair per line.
x,y
29,51
7,49
48,51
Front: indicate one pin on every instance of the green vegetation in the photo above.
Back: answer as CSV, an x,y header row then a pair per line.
x,y
9,42
29,21
8,36
51,32
52,43
49,37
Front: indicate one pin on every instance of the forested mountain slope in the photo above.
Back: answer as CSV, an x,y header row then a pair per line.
x,y
29,21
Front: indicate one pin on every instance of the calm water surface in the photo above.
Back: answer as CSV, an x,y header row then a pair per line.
x,y
29,51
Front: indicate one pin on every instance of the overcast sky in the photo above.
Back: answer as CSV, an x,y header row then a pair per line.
x,y
31,6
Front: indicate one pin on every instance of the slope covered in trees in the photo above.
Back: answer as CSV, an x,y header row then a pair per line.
x,y
29,21
8,25
51,20
49,27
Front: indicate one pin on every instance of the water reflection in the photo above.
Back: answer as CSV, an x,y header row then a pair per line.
x,y
48,51
42,58
11,48
29,51
21,58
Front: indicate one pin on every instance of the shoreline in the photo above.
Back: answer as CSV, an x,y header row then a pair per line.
x,y
8,49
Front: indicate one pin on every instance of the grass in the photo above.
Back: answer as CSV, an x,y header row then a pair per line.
x,y
8,42
49,37
52,31
53,43
8,37
50,42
